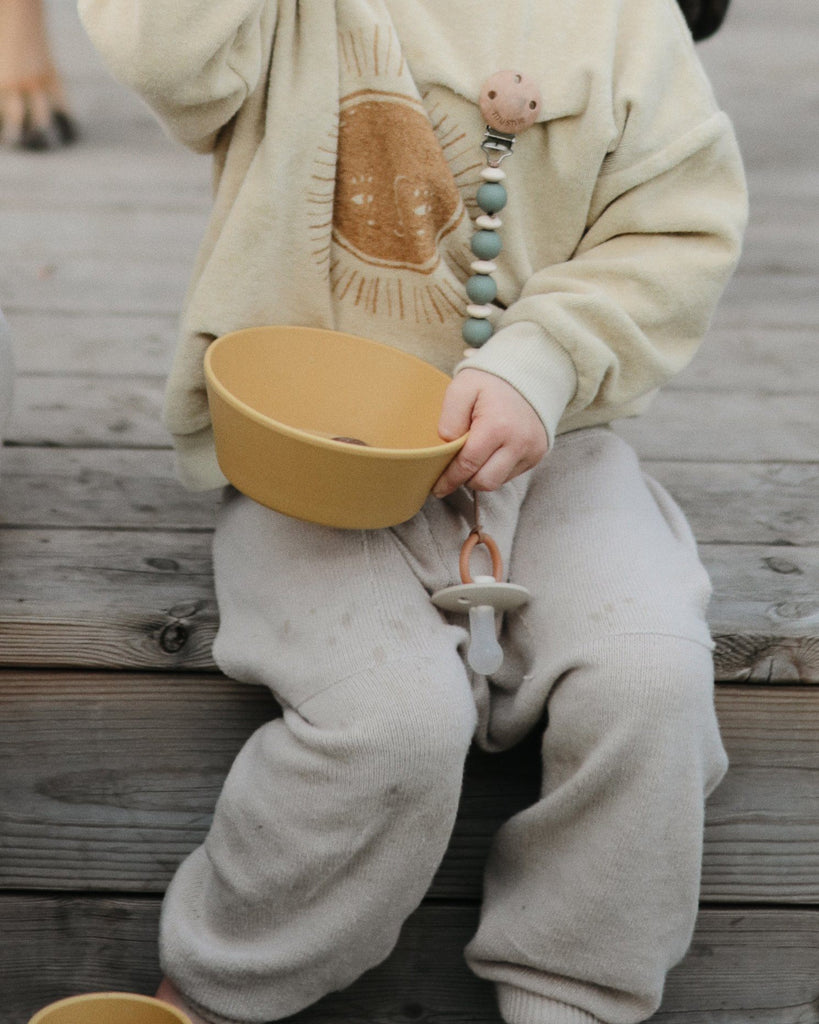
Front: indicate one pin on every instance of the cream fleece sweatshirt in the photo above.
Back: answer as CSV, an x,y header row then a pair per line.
x,y
346,140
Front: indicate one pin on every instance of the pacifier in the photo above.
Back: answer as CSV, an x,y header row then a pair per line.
x,y
481,597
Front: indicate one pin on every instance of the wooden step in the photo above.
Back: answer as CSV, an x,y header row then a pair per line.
x,y
108,780
745,965
144,599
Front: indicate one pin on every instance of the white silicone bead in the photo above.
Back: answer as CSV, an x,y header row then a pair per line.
x,y
487,223
483,267
493,174
480,312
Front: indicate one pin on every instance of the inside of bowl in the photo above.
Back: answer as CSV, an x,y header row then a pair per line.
x,y
108,1009
334,386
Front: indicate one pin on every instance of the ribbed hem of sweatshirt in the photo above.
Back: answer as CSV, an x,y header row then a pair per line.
x,y
197,466
517,1006
526,357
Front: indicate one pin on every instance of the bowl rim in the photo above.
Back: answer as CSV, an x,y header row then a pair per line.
x,y
110,996
296,433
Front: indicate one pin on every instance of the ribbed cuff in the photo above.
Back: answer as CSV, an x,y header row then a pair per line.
x,y
526,357
517,1006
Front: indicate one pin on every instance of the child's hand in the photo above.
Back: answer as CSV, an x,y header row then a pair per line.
x,y
506,435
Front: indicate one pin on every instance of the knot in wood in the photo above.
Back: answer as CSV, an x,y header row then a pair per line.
x,y
174,637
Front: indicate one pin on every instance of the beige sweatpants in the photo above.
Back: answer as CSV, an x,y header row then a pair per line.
x,y
335,817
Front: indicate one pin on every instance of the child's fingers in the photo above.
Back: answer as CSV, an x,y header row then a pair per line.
x,y
467,464
499,468
506,437
456,412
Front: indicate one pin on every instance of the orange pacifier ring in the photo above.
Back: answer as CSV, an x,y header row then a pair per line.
x,y
475,538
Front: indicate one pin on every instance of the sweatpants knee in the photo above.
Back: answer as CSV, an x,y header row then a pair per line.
x,y
419,753
654,696
404,731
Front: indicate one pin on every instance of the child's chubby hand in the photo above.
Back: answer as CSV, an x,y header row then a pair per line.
x,y
506,435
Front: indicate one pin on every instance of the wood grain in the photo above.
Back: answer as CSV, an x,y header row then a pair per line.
x,y
745,965
770,503
144,599
124,788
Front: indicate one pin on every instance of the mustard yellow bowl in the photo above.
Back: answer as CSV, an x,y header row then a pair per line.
x,y
110,1008
325,426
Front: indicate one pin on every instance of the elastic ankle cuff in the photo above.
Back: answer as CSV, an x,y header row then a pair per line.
x,y
517,1006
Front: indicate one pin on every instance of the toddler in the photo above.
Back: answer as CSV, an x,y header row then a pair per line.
x,y
346,139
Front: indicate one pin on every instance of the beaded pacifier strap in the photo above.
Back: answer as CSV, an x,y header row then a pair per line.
x,y
510,103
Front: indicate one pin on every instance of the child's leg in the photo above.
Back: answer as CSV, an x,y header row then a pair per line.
x,y
33,108
591,894
333,818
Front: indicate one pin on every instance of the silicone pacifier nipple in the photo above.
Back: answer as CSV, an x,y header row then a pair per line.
x,y
484,653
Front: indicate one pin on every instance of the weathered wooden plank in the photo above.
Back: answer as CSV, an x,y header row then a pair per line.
x,y
115,794
93,345
769,795
53,235
781,236
782,232
747,966
757,298
145,600
131,285
741,503
761,360
99,488
94,284
765,612
731,503
123,161
79,411
682,424
736,426
743,966
100,344
141,599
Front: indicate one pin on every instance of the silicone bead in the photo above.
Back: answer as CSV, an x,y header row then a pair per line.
x,y
480,312
481,288
476,332
486,244
487,223
493,174
491,197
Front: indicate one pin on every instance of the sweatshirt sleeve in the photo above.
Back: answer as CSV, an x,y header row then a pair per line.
x,y
589,338
193,61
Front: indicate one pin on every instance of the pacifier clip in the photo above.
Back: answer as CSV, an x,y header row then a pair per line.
x,y
510,103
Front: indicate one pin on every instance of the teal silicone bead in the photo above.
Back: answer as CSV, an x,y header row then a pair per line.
x,y
491,197
486,244
481,288
476,332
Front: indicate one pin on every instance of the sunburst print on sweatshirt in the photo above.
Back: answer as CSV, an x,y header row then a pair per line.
x,y
388,187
